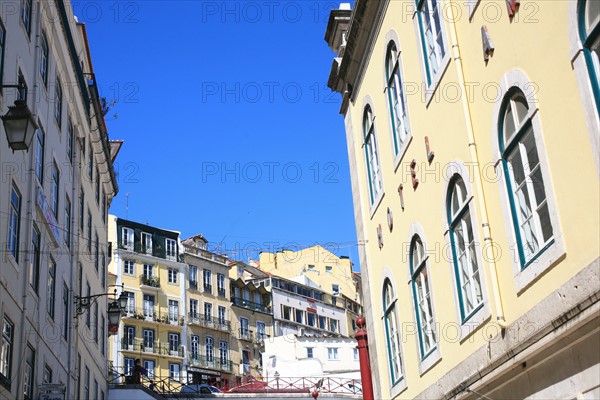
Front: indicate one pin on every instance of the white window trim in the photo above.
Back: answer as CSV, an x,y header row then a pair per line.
x,y
436,79
471,7
401,385
372,207
143,237
392,36
583,79
556,251
474,321
435,355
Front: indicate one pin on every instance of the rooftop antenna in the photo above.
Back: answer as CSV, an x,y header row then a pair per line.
x,y
126,205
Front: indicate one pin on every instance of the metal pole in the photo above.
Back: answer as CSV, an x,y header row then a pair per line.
x,y
363,354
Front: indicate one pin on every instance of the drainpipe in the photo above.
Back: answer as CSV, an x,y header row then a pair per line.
x,y
74,270
485,225
363,356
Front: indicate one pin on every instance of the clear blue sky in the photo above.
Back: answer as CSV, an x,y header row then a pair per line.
x,y
229,127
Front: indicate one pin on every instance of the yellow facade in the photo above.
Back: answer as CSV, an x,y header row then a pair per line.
x,y
522,295
331,272
152,328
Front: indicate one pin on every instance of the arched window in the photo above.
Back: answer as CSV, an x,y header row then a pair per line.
x,y
466,267
589,33
433,44
524,180
372,155
421,287
397,103
392,333
44,58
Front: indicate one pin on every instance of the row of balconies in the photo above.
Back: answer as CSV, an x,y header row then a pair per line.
x,y
250,305
209,322
193,285
152,314
211,362
149,347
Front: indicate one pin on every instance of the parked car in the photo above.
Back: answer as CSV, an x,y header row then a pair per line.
x,y
201,388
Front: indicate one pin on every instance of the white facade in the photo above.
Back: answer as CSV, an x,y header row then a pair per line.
x,y
52,211
291,312
294,356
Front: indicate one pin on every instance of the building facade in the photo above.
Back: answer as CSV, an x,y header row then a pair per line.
x,y
294,356
153,329
332,273
209,346
53,207
465,187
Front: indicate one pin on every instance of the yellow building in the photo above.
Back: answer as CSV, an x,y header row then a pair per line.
x,y
332,273
209,319
146,262
472,133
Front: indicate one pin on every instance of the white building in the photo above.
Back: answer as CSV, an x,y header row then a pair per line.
x,y
300,307
293,356
54,198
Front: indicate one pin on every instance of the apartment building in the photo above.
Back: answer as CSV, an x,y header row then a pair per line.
x,y
251,304
54,196
211,341
333,273
153,328
472,135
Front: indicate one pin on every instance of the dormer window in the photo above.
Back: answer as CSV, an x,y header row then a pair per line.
x,y
146,243
127,239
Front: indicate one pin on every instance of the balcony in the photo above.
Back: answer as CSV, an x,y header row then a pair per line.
x,y
250,305
245,334
209,322
207,288
221,292
137,345
201,361
260,338
152,281
193,285
155,314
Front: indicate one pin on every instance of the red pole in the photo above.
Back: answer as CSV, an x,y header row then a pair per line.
x,y
363,354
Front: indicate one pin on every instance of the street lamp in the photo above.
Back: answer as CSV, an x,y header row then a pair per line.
x,y
19,123
116,307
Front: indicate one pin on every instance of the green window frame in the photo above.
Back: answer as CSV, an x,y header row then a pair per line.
x,y
522,169
396,98
588,12
421,288
372,155
392,333
462,241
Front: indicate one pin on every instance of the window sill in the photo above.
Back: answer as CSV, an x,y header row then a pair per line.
x,y
376,203
543,261
402,151
474,322
435,82
430,361
398,387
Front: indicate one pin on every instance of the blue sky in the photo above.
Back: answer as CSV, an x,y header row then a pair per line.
x,y
229,127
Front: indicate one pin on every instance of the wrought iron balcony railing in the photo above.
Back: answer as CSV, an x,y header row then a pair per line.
x,y
150,347
155,314
209,322
212,362
250,305
245,334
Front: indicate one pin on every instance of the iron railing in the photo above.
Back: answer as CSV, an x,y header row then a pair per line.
x,y
250,305
209,322
213,362
155,314
150,347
